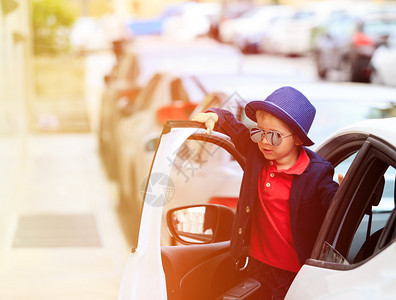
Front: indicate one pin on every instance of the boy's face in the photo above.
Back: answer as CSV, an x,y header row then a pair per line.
x,y
286,154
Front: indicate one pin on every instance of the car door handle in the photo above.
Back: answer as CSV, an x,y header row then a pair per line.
x,y
238,264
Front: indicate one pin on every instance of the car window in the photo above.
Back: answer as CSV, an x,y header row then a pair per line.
x,y
364,209
379,217
202,172
343,166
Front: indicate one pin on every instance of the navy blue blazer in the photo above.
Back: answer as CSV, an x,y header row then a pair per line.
x,y
310,196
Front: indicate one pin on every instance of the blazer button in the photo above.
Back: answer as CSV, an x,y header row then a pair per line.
x,y
240,231
247,209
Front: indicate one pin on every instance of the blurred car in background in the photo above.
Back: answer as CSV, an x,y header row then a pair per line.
x,y
245,31
232,10
254,27
142,58
383,63
193,20
90,34
291,34
348,41
166,96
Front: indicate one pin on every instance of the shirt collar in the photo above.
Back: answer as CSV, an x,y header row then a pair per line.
x,y
299,166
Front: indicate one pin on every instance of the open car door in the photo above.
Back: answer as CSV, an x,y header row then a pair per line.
x,y
195,178
354,254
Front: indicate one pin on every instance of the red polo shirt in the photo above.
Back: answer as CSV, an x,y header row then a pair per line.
x,y
271,239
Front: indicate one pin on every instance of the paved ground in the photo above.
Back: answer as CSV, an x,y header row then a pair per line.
x,y
61,237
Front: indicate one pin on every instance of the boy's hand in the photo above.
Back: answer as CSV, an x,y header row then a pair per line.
x,y
209,119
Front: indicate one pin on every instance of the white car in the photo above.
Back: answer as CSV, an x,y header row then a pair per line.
x,y
256,24
192,21
255,19
354,253
292,34
166,95
383,63
94,35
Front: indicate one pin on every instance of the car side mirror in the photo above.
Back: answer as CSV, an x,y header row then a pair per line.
x,y
200,224
152,144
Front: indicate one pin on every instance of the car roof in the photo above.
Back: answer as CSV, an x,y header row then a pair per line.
x,y
381,128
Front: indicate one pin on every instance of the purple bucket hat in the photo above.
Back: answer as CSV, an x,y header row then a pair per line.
x,y
290,106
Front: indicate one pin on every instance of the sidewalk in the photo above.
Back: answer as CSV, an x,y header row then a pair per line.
x,y
61,237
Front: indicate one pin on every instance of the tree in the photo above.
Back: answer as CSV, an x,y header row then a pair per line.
x,y
52,20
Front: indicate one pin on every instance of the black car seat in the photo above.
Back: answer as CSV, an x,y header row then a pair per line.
x,y
368,246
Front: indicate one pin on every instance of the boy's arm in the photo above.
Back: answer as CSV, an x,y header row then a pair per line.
x,y
224,121
327,187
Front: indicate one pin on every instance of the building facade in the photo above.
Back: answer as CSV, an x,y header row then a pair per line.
x,y
15,91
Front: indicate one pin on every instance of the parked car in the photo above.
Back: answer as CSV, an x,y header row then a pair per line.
x,y
249,25
193,21
228,11
167,95
89,34
140,61
291,34
354,253
383,63
252,28
348,41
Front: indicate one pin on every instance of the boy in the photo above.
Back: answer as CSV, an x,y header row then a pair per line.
x,y
286,188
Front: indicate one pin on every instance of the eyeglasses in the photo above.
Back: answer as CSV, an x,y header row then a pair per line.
x,y
273,137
